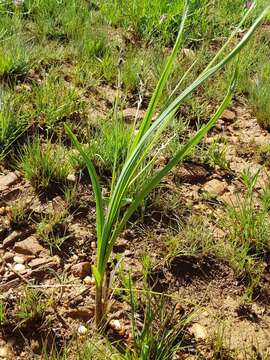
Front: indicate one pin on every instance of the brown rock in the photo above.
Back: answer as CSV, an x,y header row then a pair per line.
x,y
81,270
215,187
10,285
228,115
11,239
84,313
35,263
8,180
198,331
29,246
8,257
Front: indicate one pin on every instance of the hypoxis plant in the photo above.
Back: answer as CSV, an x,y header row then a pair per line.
x,y
111,216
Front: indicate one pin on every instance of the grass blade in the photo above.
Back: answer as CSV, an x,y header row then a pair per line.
x,y
95,184
161,83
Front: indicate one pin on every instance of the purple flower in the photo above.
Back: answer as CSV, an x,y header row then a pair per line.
x,y
163,18
249,4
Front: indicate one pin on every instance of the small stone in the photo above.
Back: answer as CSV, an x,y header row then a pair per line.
x,y
4,353
81,313
115,324
29,246
19,259
198,331
89,280
81,270
82,330
35,263
11,239
71,178
215,187
93,245
19,267
228,115
8,257
8,180
189,53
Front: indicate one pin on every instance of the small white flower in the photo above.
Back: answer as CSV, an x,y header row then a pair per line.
x,y
18,2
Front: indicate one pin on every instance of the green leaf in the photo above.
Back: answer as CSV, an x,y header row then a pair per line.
x,y
95,183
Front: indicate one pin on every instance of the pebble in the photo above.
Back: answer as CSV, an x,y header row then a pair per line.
x,y
19,259
115,324
198,331
82,330
19,267
3,352
81,270
71,178
89,280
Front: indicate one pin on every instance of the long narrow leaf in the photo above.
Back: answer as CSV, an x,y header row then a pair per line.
x,y
161,83
181,154
95,184
132,163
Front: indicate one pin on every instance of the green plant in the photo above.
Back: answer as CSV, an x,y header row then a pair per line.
x,y
247,223
14,60
259,96
12,124
19,213
44,164
53,100
111,222
214,154
192,239
31,306
159,335
53,230
108,145
2,313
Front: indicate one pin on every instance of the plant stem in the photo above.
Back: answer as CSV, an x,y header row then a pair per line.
x,y
99,307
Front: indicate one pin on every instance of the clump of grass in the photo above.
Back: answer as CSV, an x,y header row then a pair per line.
x,y
247,223
214,154
44,164
14,60
12,124
157,333
193,239
18,213
32,306
108,145
259,95
54,100
53,229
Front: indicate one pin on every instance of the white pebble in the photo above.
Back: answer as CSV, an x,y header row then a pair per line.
x,y
3,352
93,245
88,280
82,330
116,325
19,267
19,259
